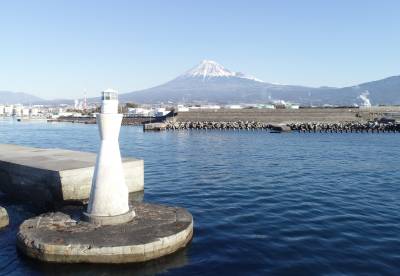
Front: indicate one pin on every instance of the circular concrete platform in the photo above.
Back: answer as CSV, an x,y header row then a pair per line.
x,y
155,231
4,220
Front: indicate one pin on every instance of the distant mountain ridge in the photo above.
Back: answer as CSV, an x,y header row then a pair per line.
x,y
211,82
9,97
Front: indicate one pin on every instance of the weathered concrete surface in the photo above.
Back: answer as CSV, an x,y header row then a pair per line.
x,y
59,237
56,175
4,220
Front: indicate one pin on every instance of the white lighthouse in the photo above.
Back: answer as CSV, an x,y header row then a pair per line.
x,y
108,202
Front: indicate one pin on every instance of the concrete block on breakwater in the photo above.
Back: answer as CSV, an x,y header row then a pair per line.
x,y
54,176
4,220
154,126
280,128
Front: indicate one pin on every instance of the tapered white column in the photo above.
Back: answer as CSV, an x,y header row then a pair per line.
x,y
109,196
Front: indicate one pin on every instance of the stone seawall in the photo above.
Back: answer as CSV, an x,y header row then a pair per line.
x,y
372,126
346,119
276,116
126,121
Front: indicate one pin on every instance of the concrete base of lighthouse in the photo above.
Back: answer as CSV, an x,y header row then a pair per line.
x,y
109,220
155,231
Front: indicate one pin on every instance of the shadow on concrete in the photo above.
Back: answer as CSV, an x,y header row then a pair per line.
x,y
24,184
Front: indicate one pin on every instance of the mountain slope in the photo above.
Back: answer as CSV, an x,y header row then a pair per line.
x,y
385,91
8,97
211,82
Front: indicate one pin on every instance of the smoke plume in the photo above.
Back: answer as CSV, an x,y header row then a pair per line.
x,y
364,98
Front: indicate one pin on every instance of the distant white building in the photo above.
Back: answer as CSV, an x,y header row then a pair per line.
x,y
293,106
34,111
265,106
161,111
17,110
233,106
140,112
8,110
210,106
281,104
182,108
25,112
205,107
69,114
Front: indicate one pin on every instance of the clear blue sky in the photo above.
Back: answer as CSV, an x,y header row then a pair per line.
x,y
56,49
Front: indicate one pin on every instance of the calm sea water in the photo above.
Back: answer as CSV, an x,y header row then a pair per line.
x,y
276,204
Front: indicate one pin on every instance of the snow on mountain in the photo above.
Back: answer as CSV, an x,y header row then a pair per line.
x,y
243,76
208,69
211,69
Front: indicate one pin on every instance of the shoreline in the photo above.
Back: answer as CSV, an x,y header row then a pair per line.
x,y
343,120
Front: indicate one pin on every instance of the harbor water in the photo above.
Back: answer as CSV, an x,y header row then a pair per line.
x,y
263,204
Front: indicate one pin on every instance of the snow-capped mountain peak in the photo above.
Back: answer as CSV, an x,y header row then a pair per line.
x,y
211,69
243,76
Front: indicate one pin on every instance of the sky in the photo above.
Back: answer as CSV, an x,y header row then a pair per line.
x,y
59,49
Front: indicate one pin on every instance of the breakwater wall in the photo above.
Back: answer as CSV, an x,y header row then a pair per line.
x,y
348,127
344,127
70,119
276,116
126,121
245,125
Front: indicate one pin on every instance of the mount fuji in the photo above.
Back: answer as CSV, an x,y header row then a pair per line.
x,y
209,69
212,82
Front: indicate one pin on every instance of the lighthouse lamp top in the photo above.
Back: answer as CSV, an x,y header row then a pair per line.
x,y
109,101
109,94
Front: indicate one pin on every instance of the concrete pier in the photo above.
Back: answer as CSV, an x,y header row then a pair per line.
x,y
4,220
56,175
